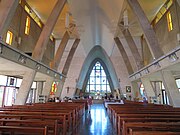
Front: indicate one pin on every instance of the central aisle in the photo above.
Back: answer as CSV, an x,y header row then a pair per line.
x,y
96,122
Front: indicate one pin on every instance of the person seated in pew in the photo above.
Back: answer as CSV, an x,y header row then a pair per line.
x,y
70,100
50,100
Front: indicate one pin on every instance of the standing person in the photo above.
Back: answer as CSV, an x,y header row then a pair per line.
x,y
89,100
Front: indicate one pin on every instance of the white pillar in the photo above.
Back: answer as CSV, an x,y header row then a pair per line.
x,y
171,88
59,89
26,84
39,90
47,86
148,87
135,90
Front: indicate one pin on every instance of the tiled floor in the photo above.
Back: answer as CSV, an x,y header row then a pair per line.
x,y
96,122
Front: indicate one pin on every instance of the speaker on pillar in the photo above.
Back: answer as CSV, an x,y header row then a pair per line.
x,y
19,40
178,37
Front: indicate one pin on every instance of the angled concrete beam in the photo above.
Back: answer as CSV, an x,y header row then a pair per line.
x,y
148,87
147,29
66,66
47,29
124,55
135,89
59,88
171,88
26,84
57,59
178,2
133,48
70,56
7,10
48,85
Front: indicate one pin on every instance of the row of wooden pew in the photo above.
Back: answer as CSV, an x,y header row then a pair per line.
x,y
135,118
41,118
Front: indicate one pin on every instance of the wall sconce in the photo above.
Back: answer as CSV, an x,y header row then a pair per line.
x,y
61,77
138,74
38,66
173,57
178,38
48,71
22,59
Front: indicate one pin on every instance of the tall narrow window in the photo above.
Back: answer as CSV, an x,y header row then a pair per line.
x,y
27,28
9,37
169,21
98,82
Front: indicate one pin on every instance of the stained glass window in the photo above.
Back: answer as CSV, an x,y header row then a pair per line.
x,y
98,81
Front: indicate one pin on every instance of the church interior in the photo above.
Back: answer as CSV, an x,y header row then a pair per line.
x,y
89,67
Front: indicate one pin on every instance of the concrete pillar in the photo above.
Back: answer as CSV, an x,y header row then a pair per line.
x,y
42,42
57,59
157,89
124,55
26,84
47,86
171,88
135,90
148,87
7,10
38,90
147,29
178,1
133,48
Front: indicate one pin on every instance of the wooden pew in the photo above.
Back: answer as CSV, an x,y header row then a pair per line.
x,y
24,130
150,126
134,132
72,112
123,121
138,112
53,122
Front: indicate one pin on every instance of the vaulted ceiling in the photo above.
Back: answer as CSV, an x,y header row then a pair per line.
x,y
96,21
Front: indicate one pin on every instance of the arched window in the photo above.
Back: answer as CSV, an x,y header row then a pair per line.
x,y
98,81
